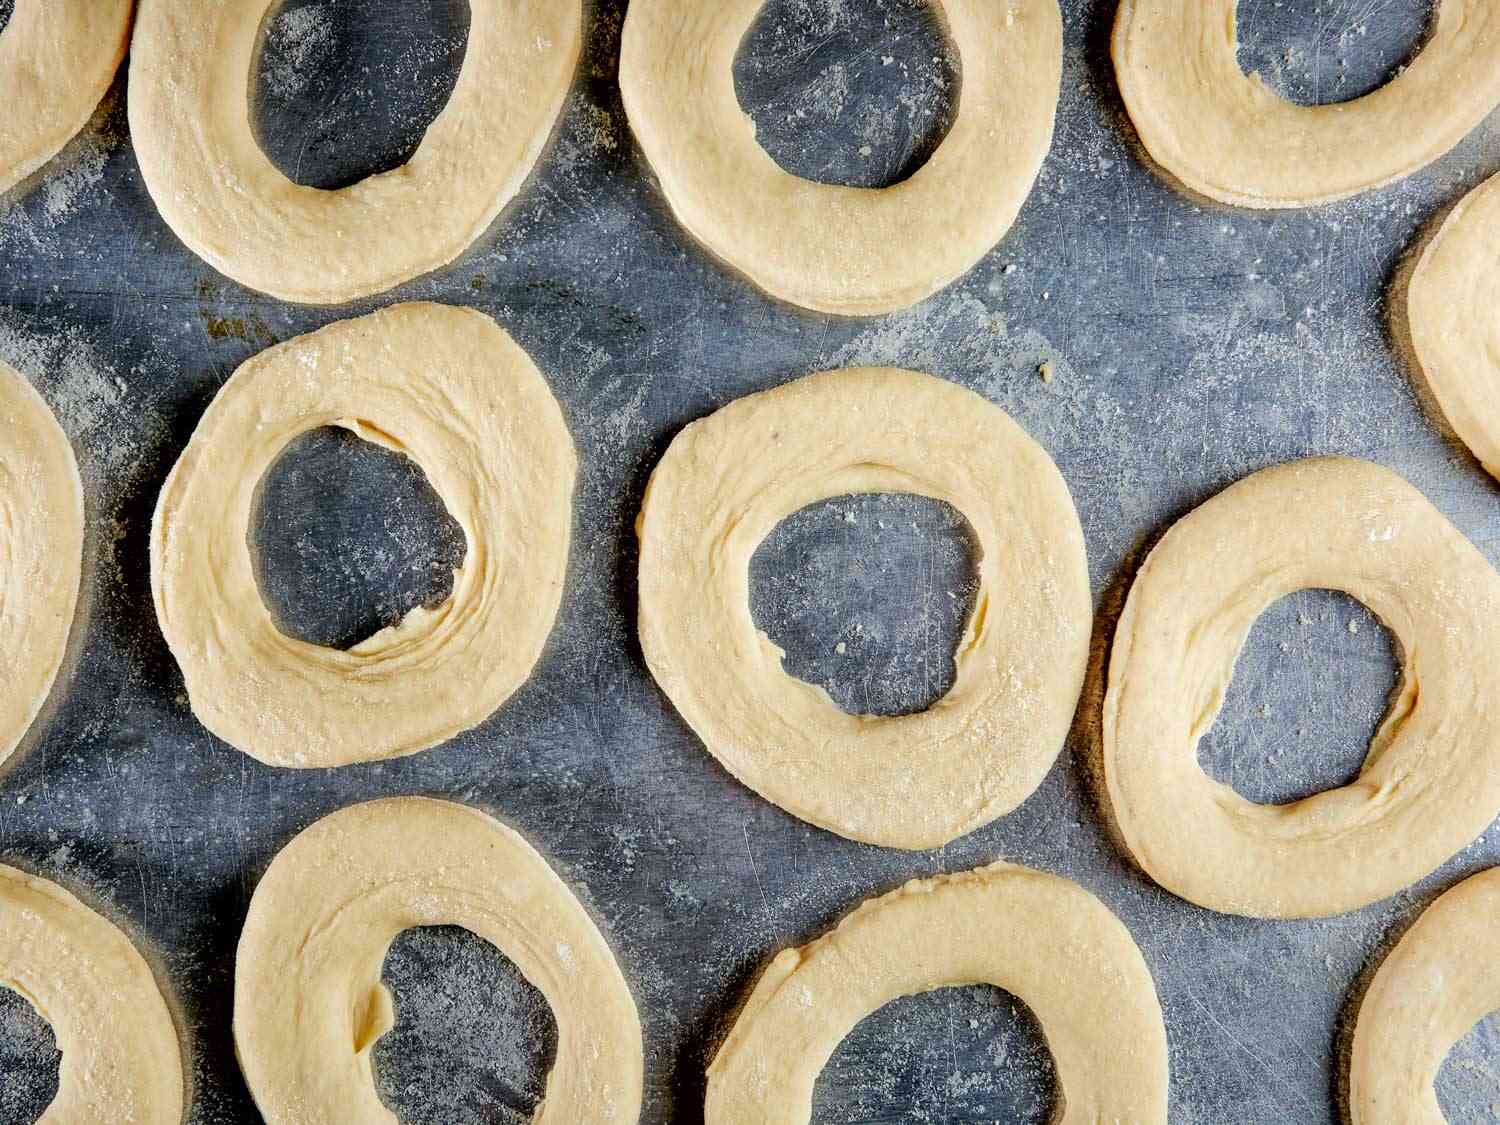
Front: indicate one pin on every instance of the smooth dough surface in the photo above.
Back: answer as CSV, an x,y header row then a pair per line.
x,y
190,73
308,1000
41,553
913,781
57,60
446,387
1044,939
853,251
1227,135
121,1056
1453,312
1431,779
1439,981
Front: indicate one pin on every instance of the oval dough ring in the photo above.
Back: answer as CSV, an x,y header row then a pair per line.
x,y
1431,780
121,1056
1040,937
329,907
57,60
1229,136
220,193
1437,983
913,781
847,250
446,387
1451,307
41,554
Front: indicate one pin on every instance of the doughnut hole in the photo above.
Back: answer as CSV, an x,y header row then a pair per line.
x,y
1468,1085
856,94
29,1060
868,597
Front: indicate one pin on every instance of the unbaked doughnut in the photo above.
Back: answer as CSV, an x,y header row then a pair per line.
x,y
854,251
190,73
446,387
308,1000
1431,779
913,781
121,1056
1229,136
57,60
1042,938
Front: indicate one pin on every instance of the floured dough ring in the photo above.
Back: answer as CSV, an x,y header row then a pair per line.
x,y
121,1057
1453,310
308,1000
41,553
1431,779
913,781
190,74
854,251
1227,135
1437,983
449,389
57,60
1042,938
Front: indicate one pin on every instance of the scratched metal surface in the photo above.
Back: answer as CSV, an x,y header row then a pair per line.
x,y
1191,346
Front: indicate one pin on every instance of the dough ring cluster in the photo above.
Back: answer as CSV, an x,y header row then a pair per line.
x,y
190,74
121,1057
1229,136
1437,983
1431,779
914,781
57,60
41,553
1040,937
308,1000
446,387
847,250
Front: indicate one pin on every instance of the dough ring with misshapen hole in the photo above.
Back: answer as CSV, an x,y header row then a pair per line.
x,y
190,74
1437,983
41,553
1431,779
1040,937
913,781
308,1000
121,1055
836,249
446,387
1227,135
57,60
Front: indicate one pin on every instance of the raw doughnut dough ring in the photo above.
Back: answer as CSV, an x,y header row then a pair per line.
x,y
191,66
1437,983
446,387
1229,136
913,781
57,60
853,251
308,1001
1431,779
121,1056
41,553
1042,938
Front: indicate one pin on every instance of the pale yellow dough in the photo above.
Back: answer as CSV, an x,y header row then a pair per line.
x,y
57,60
121,1056
1431,779
1227,135
853,251
446,387
914,781
190,72
308,1000
1042,938
41,553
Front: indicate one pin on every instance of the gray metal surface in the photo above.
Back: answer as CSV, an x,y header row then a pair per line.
x,y
1191,346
